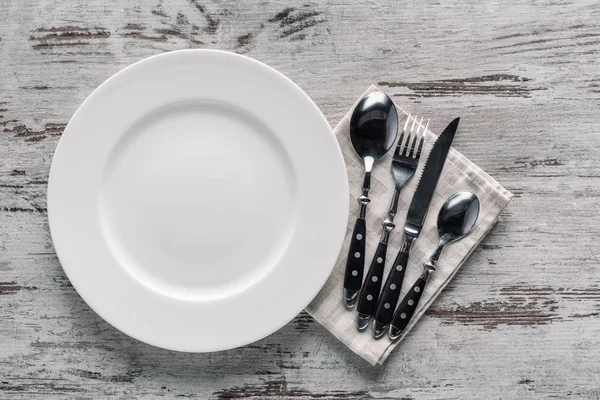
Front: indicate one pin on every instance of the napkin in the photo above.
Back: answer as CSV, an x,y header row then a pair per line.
x,y
458,174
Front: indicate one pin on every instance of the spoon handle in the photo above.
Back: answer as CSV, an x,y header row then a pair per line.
x,y
407,307
355,262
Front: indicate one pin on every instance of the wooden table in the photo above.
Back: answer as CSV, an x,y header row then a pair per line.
x,y
521,319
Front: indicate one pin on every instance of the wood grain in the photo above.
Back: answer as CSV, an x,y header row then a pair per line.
x,y
521,319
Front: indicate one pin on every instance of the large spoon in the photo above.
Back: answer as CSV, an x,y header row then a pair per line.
x,y
455,220
373,130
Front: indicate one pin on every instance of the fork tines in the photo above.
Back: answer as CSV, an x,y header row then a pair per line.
x,y
412,136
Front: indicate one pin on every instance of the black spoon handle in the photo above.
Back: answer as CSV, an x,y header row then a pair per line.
x,y
355,263
369,294
407,307
391,288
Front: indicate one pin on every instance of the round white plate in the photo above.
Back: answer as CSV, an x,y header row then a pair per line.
x,y
198,200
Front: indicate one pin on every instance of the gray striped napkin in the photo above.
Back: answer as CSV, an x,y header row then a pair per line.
x,y
459,174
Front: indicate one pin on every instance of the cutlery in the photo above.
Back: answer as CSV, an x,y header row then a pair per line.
x,y
373,130
412,227
455,220
404,164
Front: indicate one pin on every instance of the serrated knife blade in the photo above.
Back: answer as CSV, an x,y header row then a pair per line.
x,y
428,180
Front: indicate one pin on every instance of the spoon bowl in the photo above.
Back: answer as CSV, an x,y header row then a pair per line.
x,y
457,216
373,126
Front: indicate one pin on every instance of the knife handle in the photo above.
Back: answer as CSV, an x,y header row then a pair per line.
x,y
367,300
391,289
407,307
355,262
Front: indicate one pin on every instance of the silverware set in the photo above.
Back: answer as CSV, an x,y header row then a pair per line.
x,y
373,130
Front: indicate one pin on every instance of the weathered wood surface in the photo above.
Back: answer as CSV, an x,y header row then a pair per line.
x,y
521,319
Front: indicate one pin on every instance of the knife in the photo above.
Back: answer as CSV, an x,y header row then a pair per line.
x,y
412,227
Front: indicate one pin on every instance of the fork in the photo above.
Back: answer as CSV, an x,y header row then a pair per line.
x,y
404,164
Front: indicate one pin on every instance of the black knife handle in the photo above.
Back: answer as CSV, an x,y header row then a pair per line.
x,y
391,288
355,263
369,294
407,307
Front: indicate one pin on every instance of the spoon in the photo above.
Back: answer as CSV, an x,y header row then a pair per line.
x,y
455,220
373,130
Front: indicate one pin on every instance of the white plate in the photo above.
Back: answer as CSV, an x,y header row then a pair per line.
x,y
198,200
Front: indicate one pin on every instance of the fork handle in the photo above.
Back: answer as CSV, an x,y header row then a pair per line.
x,y
391,289
394,204
355,262
367,300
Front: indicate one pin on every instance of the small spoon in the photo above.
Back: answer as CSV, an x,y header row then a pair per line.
x,y
455,220
373,130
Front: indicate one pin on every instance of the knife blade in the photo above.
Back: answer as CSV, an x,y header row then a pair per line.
x,y
428,181
417,212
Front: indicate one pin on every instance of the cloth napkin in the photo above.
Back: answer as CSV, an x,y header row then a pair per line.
x,y
458,174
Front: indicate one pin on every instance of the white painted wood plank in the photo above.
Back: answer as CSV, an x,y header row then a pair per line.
x,y
521,319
